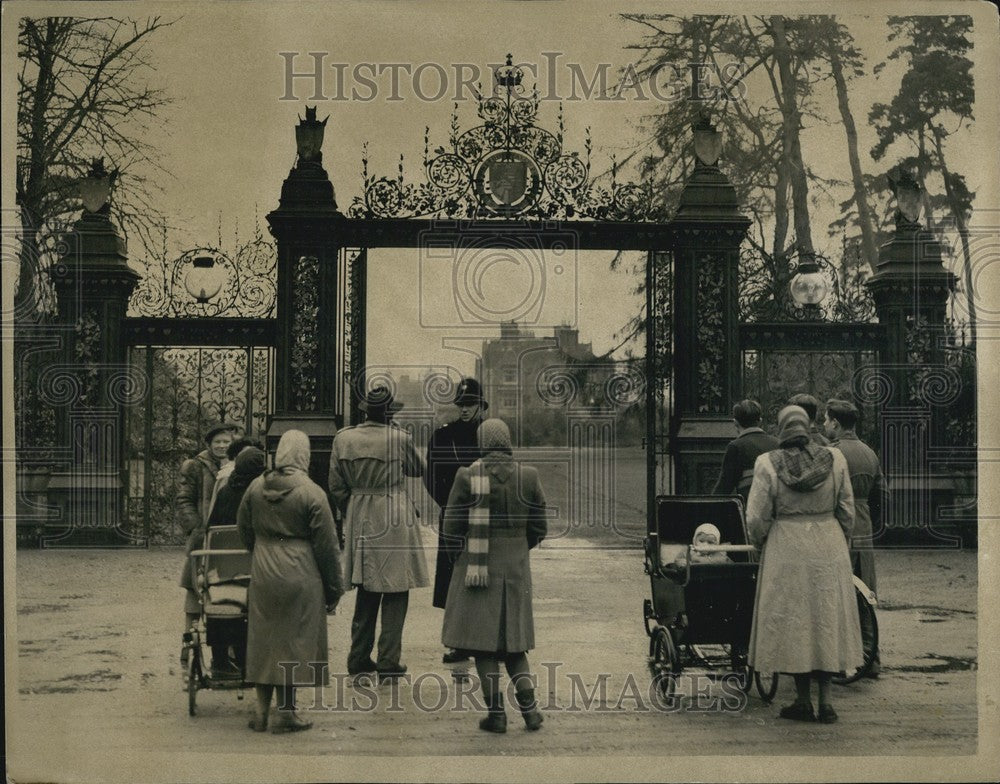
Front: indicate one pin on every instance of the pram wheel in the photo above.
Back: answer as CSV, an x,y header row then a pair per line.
x,y
740,668
665,664
193,677
767,686
866,614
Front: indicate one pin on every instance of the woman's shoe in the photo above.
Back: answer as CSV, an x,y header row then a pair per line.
x,y
289,721
798,711
827,714
257,724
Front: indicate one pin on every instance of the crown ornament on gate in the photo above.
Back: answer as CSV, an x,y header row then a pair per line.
x,y
505,167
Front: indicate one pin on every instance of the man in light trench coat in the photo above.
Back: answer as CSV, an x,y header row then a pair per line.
x,y
384,555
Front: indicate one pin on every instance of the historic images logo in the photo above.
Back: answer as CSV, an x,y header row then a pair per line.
x,y
311,76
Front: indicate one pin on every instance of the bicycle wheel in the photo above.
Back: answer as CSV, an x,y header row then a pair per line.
x,y
665,664
866,614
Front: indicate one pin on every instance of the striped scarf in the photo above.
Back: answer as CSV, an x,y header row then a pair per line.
x,y
478,541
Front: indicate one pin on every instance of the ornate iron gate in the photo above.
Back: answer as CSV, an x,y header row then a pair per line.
x,y
188,389
821,359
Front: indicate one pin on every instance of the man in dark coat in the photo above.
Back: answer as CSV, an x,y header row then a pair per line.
x,y
870,493
743,451
451,447
811,407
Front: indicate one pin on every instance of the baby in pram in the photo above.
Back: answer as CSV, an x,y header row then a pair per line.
x,y
704,534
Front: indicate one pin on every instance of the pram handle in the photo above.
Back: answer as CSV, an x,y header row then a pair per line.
x,y
194,553
723,548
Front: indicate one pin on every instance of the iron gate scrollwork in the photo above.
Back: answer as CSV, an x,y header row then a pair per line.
x,y
659,348
189,388
821,359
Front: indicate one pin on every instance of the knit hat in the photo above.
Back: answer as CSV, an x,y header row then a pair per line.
x,y
249,464
793,422
494,436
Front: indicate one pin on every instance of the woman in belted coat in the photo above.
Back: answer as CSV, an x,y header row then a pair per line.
x,y
805,619
498,507
384,556
285,520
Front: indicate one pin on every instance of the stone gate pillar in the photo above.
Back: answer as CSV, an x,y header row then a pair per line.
x,y
911,288
706,235
308,389
92,384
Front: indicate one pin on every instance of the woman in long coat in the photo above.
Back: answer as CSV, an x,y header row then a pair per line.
x,y
498,507
285,520
801,510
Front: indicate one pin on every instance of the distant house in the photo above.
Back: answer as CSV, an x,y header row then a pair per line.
x,y
539,384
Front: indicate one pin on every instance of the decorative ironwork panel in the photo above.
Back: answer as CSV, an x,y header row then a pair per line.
x,y
246,276
188,389
659,350
772,376
710,333
353,285
505,167
304,350
763,290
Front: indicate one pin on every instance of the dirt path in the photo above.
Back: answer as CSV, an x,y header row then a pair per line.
x,y
99,689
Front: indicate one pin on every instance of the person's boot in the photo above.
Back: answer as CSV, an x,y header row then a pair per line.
x,y
289,721
496,721
286,719
529,709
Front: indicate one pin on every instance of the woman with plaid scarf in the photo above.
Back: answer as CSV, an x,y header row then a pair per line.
x,y
801,511
498,507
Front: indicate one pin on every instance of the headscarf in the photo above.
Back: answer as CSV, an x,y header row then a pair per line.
x,y
494,436
799,463
293,452
707,528
793,422
249,464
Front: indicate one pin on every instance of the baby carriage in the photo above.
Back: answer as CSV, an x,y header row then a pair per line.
x,y
700,613
222,574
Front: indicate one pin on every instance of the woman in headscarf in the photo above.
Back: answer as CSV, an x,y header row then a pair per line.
x,y
285,520
801,511
498,507
249,464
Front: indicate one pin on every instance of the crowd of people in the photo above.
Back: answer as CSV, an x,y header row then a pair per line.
x,y
809,499
492,514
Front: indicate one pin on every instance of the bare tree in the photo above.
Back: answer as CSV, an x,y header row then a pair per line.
x,y
83,92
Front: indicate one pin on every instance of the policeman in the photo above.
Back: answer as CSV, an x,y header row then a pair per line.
x,y
451,447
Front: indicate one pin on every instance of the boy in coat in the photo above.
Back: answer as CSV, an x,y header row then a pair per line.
x,y
870,493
